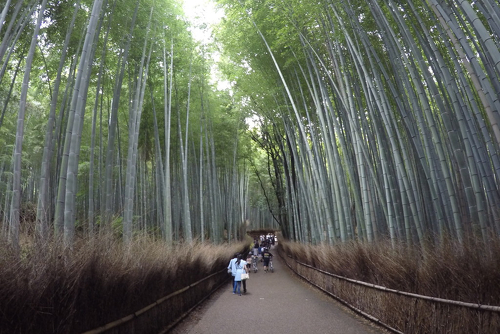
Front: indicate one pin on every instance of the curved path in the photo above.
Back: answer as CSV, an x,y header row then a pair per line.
x,y
275,303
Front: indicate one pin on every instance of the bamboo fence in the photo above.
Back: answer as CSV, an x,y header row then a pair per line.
x,y
399,311
166,312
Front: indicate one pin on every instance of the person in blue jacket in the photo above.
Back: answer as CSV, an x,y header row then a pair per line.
x,y
232,267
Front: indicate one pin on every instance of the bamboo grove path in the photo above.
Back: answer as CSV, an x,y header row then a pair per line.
x,y
275,303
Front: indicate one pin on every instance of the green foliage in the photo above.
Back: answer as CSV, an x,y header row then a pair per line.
x,y
117,226
213,115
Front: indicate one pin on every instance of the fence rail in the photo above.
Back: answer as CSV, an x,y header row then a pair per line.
x,y
399,311
166,312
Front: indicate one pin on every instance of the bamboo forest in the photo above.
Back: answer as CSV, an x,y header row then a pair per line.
x,y
341,120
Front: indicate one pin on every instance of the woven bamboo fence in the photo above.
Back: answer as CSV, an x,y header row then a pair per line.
x,y
165,313
399,311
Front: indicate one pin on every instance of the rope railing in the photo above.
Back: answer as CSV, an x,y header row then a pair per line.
x,y
383,288
405,312
162,326
364,314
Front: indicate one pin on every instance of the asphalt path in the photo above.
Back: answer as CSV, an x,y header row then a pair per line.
x,y
278,302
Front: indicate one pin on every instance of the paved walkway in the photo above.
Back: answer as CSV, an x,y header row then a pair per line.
x,y
275,303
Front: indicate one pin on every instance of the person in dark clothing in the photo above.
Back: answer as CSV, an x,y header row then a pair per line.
x,y
256,248
248,264
266,256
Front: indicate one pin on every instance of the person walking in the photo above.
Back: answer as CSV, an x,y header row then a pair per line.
x,y
249,260
266,256
232,267
256,247
248,264
241,267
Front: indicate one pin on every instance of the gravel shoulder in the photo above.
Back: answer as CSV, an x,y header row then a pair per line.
x,y
276,302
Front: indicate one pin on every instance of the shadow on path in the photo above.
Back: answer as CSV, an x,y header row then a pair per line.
x,y
275,303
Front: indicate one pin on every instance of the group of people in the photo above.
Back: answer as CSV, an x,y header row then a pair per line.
x,y
237,266
265,242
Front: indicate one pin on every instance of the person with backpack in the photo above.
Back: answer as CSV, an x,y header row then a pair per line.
x,y
266,256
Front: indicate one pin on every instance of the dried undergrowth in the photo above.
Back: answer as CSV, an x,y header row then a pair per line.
x,y
50,289
468,271
465,272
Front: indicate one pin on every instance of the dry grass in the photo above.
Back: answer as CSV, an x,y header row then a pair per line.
x,y
468,272
53,290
